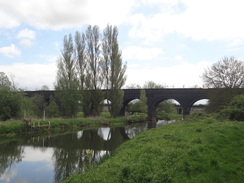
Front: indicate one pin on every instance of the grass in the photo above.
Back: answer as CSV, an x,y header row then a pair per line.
x,y
169,116
188,151
10,128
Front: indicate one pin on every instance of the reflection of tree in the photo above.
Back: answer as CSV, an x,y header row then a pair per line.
x,y
73,154
10,153
65,156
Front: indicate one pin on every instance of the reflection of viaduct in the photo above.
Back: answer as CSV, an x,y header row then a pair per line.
x,y
185,96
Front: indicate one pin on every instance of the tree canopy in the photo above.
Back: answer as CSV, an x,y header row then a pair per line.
x,y
10,99
226,73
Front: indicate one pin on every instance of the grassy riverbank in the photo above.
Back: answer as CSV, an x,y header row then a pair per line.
x,y
10,128
202,151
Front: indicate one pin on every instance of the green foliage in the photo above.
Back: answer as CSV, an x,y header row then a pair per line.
x,y
97,96
86,102
152,84
143,102
10,103
52,109
220,98
116,99
200,151
69,97
4,80
11,127
139,106
167,106
16,127
235,109
39,105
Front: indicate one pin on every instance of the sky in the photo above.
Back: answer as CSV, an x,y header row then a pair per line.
x,y
169,42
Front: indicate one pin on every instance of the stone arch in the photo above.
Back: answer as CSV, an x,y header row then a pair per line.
x,y
125,103
153,107
199,107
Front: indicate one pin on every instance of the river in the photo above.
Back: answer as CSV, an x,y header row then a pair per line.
x,y
52,159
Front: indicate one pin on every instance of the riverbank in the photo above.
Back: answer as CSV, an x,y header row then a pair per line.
x,y
13,128
186,151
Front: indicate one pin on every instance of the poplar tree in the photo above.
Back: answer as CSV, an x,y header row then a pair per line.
x,y
80,54
67,83
113,69
94,78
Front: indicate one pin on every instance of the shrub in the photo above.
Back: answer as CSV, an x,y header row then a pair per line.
x,y
235,110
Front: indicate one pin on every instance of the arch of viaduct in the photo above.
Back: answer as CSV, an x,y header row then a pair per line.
x,y
185,96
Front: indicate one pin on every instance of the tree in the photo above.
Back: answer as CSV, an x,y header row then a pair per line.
x,y
113,69
10,99
152,84
52,108
167,106
220,98
4,80
67,84
94,78
39,105
44,88
138,105
226,73
133,86
143,102
80,53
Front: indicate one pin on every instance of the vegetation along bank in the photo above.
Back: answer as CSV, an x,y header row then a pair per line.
x,y
54,125
206,150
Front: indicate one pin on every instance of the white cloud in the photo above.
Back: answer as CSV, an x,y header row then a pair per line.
x,y
10,51
58,14
184,74
32,76
26,33
6,20
201,20
26,42
140,53
26,37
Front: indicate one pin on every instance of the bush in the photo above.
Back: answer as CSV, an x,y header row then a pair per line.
x,y
10,103
235,110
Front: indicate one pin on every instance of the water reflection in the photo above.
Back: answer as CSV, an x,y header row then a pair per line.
x,y
52,159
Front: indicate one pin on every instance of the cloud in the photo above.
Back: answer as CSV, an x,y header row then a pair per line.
x,y
6,20
26,37
200,20
140,53
182,75
26,33
10,51
59,14
26,42
32,76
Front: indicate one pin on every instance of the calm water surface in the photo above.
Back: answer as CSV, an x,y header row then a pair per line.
x,y
52,159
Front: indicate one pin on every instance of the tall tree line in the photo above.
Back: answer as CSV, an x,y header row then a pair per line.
x,y
90,63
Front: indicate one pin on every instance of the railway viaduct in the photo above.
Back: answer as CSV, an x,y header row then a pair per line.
x,y
185,96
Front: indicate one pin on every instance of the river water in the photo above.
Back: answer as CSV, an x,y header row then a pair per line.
x,y
52,159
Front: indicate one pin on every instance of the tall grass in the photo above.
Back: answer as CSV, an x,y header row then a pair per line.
x,y
203,151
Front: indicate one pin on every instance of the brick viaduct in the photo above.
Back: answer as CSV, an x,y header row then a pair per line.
x,y
185,96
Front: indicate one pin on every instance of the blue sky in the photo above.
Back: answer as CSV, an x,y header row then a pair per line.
x,y
169,42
